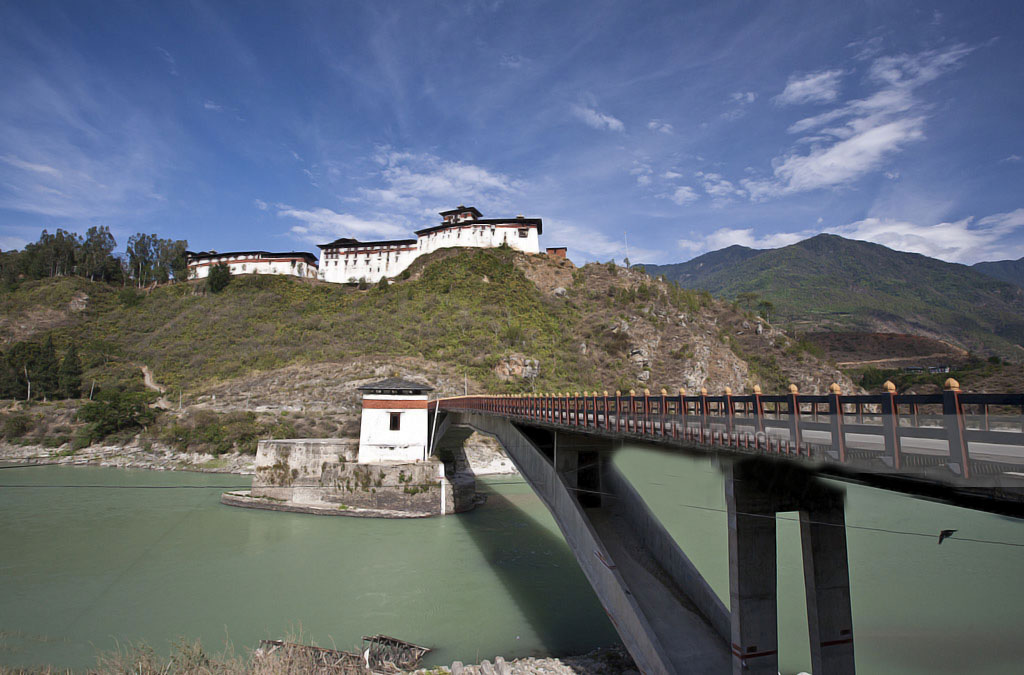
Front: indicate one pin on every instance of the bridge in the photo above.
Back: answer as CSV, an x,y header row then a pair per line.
x,y
960,448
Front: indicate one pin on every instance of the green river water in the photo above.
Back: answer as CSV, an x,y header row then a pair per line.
x,y
86,568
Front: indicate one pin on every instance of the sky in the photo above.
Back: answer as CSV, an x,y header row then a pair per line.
x,y
653,130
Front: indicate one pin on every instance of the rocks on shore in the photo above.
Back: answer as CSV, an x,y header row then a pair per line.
x,y
604,661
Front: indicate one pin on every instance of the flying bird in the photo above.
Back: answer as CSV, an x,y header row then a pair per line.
x,y
945,534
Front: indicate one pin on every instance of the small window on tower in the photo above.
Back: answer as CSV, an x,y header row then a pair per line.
x,y
523,232
396,421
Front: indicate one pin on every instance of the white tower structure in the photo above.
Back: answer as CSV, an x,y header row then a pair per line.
x,y
394,424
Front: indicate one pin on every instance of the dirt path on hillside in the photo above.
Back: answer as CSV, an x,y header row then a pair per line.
x,y
147,379
897,359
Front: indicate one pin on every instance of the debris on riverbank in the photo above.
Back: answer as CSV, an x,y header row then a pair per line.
x,y
603,661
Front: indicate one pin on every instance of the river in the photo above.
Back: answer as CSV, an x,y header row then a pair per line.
x,y
141,557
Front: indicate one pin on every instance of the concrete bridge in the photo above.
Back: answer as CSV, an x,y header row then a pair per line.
x,y
965,449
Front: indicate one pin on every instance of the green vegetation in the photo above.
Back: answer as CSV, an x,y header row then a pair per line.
x,y
148,259
115,411
218,433
973,370
219,278
829,281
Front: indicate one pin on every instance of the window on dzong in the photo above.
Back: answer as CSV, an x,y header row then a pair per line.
x,y
523,232
396,421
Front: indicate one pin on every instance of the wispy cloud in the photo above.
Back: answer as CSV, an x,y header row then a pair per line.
x,y
212,105
1011,158
426,182
322,224
596,119
587,244
260,204
820,87
859,136
172,65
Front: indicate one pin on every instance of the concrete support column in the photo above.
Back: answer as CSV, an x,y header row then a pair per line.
x,y
752,576
827,582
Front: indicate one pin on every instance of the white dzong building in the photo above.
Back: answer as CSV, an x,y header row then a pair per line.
x,y
394,425
293,263
349,260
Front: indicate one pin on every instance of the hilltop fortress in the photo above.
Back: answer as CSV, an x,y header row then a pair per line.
x,y
348,260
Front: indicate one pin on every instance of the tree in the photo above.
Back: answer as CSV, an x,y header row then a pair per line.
x,y
70,374
116,410
142,257
747,299
765,308
220,277
172,259
97,251
46,371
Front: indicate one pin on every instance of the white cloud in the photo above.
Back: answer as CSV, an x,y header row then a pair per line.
x,y
820,87
598,120
840,163
671,175
660,126
743,97
727,236
323,224
423,182
212,105
684,195
966,240
717,186
260,204
587,244
1011,158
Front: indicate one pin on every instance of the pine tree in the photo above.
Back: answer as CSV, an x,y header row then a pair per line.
x,y
46,371
70,376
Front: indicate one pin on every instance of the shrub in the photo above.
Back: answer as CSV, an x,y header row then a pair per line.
x,y
115,410
220,277
17,425
129,297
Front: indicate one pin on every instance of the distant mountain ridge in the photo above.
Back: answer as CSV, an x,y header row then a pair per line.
x,y
831,282
1010,271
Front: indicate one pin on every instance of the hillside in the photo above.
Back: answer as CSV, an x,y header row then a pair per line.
x,y
288,353
1010,271
831,283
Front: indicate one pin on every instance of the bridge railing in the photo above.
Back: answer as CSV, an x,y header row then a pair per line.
x,y
947,435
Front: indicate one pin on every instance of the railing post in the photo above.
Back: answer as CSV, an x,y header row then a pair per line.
x,y
703,411
891,423
593,399
661,411
794,417
575,409
835,413
647,412
953,414
682,410
758,411
618,410
729,412
607,420
632,410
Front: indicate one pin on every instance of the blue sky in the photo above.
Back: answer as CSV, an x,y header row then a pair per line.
x,y
684,127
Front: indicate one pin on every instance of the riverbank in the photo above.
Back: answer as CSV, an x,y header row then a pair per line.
x,y
153,458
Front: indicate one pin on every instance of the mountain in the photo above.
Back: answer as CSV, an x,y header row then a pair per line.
x,y
829,282
1010,271
690,274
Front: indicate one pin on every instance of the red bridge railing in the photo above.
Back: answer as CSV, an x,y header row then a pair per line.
x,y
941,435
